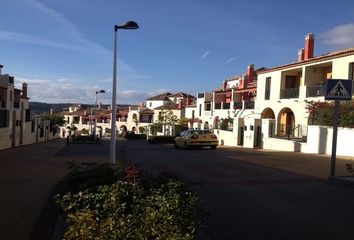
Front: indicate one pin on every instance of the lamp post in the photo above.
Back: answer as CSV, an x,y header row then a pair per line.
x,y
95,123
130,25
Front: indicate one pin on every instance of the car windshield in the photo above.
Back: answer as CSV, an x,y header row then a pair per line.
x,y
193,132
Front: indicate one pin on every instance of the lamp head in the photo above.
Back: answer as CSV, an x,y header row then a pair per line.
x,y
101,91
130,25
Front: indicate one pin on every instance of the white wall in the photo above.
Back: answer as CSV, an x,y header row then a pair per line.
x,y
226,138
154,104
319,140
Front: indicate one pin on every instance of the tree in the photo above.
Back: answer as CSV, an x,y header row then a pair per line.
x,y
54,119
167,118
321,113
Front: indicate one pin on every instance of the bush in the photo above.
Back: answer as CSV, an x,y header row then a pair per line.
x,y
135,207
136,136
84,139
82,177
162,139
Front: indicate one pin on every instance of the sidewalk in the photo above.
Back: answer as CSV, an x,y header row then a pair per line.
x,y
27,177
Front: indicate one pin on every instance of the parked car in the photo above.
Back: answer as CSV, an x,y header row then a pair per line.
x,y
196,138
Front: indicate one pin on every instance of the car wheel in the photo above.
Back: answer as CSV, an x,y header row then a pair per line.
x,y
213,147
176,146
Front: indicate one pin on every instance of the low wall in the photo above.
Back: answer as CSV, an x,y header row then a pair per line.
x,y
319,140
283,145
226,138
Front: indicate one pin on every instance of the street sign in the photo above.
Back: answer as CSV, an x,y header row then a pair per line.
x,y
339,89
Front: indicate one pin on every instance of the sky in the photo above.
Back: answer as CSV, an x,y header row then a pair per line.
x,y
64,49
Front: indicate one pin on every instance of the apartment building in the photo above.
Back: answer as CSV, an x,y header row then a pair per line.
x,y
234,99
17,127
134,118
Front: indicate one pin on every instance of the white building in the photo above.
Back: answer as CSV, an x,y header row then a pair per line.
x,y
16,125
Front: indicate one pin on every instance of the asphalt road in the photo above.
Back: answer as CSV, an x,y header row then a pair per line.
x,y
253,194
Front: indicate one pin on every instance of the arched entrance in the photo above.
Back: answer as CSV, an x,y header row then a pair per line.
x,y
268,113
286,122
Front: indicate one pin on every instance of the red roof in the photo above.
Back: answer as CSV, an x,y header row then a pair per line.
x,y
322,57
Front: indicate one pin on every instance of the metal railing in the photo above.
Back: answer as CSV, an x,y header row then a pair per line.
x,y
237,105
217,106
289,93
226,106
316,91
248,104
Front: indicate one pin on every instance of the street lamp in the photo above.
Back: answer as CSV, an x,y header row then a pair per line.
x,y
130,25
95,123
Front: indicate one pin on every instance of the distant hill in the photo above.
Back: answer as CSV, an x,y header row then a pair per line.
x,y
38,108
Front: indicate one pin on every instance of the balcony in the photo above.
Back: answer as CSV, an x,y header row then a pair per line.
x,y
200,95
217,105
226,106
289,93
316,91
16,105
237,105
249,105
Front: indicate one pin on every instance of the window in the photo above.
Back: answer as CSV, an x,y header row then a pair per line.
x,y
267,88
200,109
150,104
3,118
27,115
351,71
193,112
33,125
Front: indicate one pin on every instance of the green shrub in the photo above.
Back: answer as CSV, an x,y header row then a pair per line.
x,y
162,139
82,177
139,208
136,136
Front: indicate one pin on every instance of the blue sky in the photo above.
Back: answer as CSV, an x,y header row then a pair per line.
x,y
64,49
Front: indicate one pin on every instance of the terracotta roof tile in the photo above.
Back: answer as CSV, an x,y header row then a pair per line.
x,y
322,57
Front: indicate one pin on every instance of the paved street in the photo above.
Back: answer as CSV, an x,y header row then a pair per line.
x,y
286,198
250,194
27,177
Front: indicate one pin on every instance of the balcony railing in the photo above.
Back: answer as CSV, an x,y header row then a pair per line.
x,y
249,104
289,93
217,105
16,105
237,105
226,106
200,95
316,91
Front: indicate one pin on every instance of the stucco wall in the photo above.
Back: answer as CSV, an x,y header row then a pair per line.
x,y
319,140
5,139
226,138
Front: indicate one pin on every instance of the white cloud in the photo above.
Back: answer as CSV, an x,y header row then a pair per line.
x,y
205,54
68,91
230,60
341,36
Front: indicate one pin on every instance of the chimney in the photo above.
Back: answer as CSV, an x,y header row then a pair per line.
x,y
309,46
180,104
224,85
250,71
1,66
300,54
24,90
188,101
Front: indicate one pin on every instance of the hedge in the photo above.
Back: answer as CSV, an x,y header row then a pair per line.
x,y
136,206
161,139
